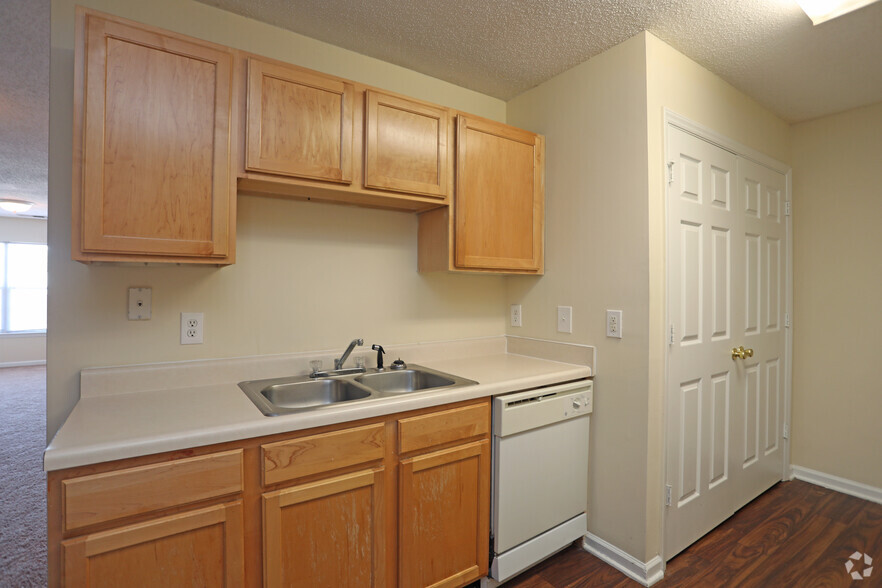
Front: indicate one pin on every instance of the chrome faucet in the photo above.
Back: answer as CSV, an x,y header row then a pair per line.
x,y
338,363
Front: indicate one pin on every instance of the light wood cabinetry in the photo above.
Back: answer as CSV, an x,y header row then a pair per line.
x,y
398,500
152,177
405,145
497,220
326,533
169,129
310,135
299,123
202,547
90,500
444,498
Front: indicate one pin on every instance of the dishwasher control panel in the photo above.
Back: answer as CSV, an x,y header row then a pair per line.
x,y
521,411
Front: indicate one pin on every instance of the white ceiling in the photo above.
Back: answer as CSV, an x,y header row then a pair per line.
x,y
766,48
24,102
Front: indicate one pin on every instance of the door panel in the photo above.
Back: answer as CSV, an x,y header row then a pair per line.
x,y
764,228
155,150
326,533
299,123
194,548
444,517
726,252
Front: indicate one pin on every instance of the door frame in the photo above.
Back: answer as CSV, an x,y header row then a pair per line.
x,y
707,134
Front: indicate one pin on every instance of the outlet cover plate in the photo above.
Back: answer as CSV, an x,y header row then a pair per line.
x,y
614,324
192,324
516,315
140,304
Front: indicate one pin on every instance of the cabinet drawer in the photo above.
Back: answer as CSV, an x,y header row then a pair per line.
x,y
447,426
288,460
98,498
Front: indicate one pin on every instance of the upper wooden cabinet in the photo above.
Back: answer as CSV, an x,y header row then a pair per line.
x,y
299,123
306,134
152,177
405,145
498,216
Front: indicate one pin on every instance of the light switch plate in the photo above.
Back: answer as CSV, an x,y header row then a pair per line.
x,y
140,304
564,319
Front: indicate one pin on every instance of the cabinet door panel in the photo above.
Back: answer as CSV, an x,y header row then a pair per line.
x,y
98,498
326,533
444,502
445,426
314,454
499,209
405,145
155,152
299,123
196,548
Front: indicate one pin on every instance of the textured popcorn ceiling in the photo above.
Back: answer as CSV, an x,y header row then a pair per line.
x,y
24,102
766,48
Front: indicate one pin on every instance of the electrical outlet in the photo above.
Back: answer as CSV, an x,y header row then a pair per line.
x,y
614,324
140,304
192,324
516,315
564,319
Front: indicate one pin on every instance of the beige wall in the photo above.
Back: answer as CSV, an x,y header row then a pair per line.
x,y
837,316
605,215
681,85
308,276
22,349
594,119
22,230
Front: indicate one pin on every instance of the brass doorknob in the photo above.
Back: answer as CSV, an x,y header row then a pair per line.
x,y
741,352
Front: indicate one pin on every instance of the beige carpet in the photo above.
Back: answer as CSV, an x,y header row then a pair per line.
x,y
22,481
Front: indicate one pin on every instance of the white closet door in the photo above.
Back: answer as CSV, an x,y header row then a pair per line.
x,y
725,285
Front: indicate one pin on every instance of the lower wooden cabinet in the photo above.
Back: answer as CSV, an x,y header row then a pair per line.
x,y
326,533
444,515
400,500
203,547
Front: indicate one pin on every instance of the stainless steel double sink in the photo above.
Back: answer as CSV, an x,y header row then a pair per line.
x,y
276,396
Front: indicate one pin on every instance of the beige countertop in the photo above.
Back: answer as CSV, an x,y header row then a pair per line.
x,y
111,422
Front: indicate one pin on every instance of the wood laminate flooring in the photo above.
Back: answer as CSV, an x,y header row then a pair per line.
x,y
796,534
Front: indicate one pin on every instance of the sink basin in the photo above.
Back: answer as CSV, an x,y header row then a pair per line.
x,y
403,381
313,393
293,394
297,393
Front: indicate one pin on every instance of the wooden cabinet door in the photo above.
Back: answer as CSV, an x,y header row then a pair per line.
x,y
500,197
326,533
405,145
299,123
195,548
155,152
444,516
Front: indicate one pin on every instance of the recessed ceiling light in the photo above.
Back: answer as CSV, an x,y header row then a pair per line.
x,y
16,206
823,10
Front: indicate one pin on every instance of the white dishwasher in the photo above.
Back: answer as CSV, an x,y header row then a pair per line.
x,y
540,475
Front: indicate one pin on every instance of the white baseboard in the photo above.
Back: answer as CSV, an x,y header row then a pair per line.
x,y
647,573
22,363
832,482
